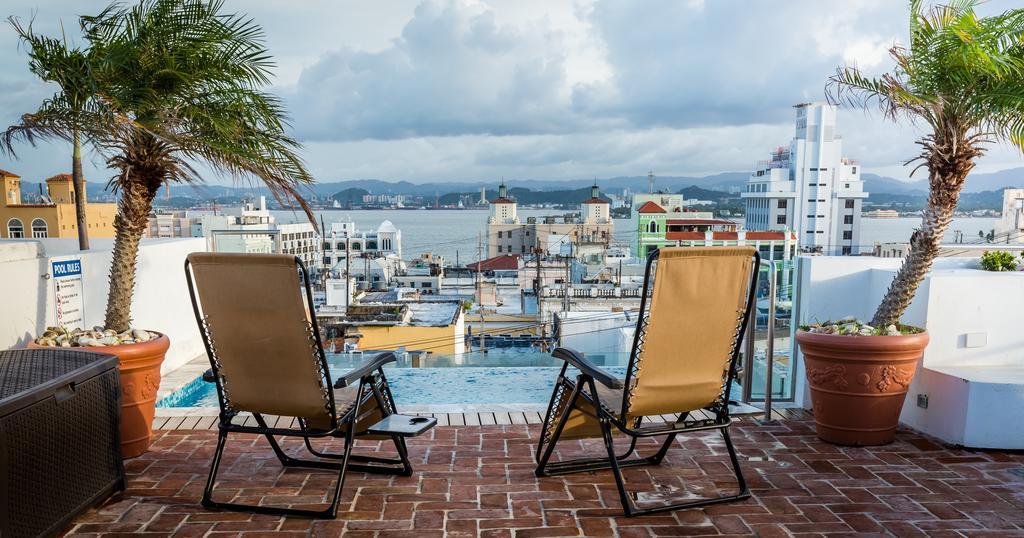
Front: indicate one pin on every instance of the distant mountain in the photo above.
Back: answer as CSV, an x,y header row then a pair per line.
x,y
977,182
724,184
699,193
881,184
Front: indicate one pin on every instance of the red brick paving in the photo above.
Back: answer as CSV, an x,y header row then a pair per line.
x,y
478,481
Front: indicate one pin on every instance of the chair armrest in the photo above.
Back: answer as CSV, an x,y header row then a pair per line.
x,y
366,368
576,359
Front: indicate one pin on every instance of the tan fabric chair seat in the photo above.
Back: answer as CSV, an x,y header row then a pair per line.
x,y
582,422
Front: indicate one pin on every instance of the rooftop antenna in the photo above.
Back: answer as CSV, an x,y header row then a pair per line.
x,y
650,182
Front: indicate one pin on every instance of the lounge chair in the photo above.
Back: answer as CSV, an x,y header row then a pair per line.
x,y
693,316
266,358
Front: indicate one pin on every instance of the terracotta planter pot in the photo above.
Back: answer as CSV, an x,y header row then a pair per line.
x,y
859,383
140,380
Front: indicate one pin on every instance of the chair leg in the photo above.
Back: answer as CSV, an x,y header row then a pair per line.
x,y
740,481
629,507
546,468
620,483
330,512
542,460
660,455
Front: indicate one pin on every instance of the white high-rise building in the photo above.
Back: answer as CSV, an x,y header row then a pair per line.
x,y
810,188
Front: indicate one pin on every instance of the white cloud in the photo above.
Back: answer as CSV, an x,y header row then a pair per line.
x,y
477,89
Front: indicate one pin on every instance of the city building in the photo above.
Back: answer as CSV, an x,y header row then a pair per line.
x,y
54,216
252,229
386,240
1010,227
372,258
809,187
174,224
583,238
657,228
301,239
434,326
672,203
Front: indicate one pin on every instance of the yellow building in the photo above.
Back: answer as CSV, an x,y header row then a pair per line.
x,y
435,326
56,218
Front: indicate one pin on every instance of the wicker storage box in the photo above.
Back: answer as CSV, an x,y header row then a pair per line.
x,y
59,437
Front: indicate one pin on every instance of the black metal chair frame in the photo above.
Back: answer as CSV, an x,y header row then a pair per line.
x,y
372,383
591,374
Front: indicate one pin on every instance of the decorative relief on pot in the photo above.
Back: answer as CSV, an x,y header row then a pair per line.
x,y
835,373
863,379
127,389
151,385
892,374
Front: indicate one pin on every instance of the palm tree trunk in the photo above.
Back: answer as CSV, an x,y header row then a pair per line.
x,y
948,166
129,226
78,183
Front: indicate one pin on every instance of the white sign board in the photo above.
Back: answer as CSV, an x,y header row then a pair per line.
x,y
69,298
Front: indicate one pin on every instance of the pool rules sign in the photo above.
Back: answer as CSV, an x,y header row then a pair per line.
x,y
69,301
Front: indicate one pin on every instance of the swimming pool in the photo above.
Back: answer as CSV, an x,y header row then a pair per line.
x,y
497,377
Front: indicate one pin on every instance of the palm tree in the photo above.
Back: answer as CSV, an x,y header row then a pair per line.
x,y
182,81
963,78
66,115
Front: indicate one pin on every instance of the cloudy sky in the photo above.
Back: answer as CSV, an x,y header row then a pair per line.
x,y
467,90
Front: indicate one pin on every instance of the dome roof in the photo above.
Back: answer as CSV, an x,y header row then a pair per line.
x,y
386,226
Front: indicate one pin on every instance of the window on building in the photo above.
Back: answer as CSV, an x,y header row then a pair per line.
x,y
39,230
848,234
327,261
426,285
847,251
783,204
327,245
499,249
847,219
780,219
850,203
652,227
357,246
15,229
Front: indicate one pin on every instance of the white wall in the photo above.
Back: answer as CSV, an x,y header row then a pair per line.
x,y
160,303
597,333
973,368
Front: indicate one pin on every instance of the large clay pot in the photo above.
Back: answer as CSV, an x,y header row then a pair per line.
x,y
859,383
140,381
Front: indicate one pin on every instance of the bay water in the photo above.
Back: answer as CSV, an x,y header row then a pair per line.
x,y
454,233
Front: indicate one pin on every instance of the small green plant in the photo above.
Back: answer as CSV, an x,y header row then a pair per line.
x,y
998,261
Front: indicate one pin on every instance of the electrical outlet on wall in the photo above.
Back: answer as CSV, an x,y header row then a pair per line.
x,y
922,401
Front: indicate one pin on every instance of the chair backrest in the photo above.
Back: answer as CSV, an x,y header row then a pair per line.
x,y
260,334
689,331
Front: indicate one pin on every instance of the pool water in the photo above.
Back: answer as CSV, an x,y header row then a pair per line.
x,y
506,377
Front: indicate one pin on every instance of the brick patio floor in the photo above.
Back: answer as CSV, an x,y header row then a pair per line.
x,y
478,481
